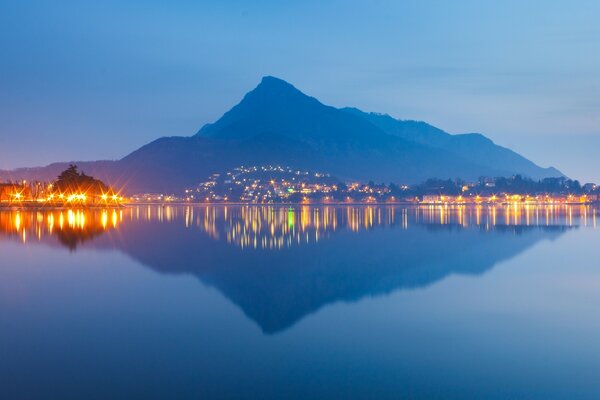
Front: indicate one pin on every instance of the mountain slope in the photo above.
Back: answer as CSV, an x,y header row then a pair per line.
x,y
471,146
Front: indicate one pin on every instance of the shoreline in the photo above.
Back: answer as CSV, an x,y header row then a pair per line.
x,y
38,207
355,203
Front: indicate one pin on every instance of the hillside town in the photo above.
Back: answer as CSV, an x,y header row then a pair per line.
x,y
278,184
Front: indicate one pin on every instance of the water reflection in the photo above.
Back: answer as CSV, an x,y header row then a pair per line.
x,y
276,227
279,264
70,227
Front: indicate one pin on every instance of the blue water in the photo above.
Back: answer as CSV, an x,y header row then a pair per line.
x,y
303,302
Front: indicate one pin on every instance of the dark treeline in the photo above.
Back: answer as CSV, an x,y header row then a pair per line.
x,y
489,186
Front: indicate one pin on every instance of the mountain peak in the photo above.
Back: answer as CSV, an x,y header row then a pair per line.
x,y
273,80
272,86
274,106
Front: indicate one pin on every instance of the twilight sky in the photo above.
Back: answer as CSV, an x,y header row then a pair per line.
x,y
86,80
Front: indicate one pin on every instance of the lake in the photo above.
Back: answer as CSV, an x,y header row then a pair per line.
x,y
272,302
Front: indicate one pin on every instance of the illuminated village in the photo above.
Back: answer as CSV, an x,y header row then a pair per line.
x,y
277,184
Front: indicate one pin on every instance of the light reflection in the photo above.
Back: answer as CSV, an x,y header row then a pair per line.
x,y
277,227
74,225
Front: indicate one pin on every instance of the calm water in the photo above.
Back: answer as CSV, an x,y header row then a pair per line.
x,y
302,302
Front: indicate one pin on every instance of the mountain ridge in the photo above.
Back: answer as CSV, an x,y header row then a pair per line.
x,y
456,143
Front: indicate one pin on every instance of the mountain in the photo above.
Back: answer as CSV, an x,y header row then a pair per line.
x,y
277,124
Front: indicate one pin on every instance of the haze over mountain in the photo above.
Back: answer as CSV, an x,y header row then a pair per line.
x,y
277,124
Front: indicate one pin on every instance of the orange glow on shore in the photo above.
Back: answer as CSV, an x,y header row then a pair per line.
x,y
64,199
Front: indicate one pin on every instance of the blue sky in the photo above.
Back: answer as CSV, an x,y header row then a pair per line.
x,y
95,80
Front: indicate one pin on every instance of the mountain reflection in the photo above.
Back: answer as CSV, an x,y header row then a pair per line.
x,y
279,264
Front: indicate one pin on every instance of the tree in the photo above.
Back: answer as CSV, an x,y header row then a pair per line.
x,y
72,181
71,174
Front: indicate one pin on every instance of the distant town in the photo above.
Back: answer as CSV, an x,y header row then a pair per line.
x,y
278,184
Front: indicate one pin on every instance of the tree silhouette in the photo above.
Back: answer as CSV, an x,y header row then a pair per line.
x,y
71,180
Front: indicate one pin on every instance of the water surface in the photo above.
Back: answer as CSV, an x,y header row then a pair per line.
x,y
300,302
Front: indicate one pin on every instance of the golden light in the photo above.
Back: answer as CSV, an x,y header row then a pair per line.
x,y
104,219
18,222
